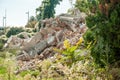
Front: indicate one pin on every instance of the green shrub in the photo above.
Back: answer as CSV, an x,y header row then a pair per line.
x,y
88,36
87,6
21,36
70,56
14,31
28,30
23,73
104,33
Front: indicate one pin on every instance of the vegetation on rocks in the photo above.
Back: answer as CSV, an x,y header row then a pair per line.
x,y
61,51
14,31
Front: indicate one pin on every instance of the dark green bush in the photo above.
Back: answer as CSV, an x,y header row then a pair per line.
x,y
105,31
14,31
89,36
21,36
1,43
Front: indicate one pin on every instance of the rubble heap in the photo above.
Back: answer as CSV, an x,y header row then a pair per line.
x,y
52,35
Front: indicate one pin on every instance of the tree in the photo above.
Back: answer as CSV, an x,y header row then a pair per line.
x,y
103,34
47,9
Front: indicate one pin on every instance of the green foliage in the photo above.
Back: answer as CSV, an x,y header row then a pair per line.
x,y
34,30
35,73
70,54
2,54
21,36
47,9
1,45
23,73
3,70
14,31
28,30
89,36
87,6
13,51
104,33
2,41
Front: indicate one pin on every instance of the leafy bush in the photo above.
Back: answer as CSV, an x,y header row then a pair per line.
x,y
21,36
104,33
14,31
87,6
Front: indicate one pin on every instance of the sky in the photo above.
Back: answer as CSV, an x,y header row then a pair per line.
x,y
16,10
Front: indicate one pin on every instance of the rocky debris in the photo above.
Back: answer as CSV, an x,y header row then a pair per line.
x,y
27,65
13,42
16,42
53,33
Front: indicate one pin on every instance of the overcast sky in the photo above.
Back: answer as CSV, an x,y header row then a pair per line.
x,y
16,10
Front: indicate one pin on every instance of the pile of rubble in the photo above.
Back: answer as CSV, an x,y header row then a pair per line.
x,y
51,35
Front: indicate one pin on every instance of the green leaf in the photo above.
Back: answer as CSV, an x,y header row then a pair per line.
x,y
73,48
66,52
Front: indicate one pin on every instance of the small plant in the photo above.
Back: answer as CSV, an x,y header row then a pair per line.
x,y
23,73
70,56
21,36
35,73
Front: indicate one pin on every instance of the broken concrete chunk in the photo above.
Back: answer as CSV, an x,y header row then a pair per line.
x,y
51,40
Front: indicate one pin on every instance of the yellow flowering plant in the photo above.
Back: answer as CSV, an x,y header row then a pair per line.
x,y
66,44
70,55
